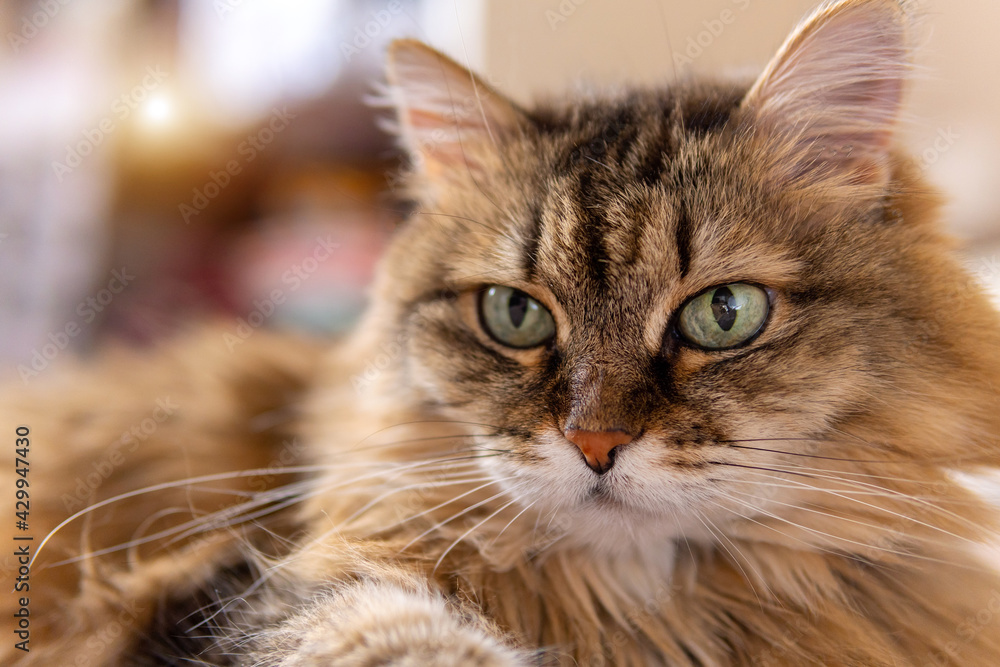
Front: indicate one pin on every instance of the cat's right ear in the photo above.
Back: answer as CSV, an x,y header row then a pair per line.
x,y
449,119
834,91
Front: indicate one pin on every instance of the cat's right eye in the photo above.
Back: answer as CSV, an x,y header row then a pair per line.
x,y
725,317
513,318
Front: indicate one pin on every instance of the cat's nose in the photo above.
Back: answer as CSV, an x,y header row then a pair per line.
x,y
598,447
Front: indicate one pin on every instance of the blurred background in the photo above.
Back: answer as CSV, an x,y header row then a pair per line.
x,y
168,160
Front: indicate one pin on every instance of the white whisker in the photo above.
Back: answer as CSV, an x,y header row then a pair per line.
x,y
471,530
264,498
465,511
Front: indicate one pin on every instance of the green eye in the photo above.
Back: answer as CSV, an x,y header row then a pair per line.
x,y
725,316
514,318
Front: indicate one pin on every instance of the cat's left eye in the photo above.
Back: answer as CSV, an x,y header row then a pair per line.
x,y
513,318
724,317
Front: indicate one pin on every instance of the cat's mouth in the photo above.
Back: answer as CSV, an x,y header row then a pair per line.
x,y
602,494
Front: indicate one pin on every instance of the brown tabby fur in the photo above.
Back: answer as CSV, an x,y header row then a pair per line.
x,y
798,500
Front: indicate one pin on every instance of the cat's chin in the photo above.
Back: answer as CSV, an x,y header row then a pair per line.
x,y
612,534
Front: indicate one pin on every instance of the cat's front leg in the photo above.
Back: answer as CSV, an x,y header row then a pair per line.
x,y
374,623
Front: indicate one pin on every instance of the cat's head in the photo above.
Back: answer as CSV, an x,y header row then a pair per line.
x,y
666,303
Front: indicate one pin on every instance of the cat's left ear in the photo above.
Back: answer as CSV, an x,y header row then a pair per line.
x,y
449,118
833,93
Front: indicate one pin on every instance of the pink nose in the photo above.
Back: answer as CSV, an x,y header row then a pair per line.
x,y
598,447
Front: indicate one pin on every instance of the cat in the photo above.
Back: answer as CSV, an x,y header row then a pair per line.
x,y
686,375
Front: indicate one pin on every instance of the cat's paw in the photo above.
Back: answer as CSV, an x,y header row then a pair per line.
x,y
385,627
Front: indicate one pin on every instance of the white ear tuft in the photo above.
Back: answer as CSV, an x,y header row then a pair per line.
x,y
447,115
835,89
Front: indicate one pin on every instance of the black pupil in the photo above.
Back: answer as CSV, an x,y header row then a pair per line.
x,y
725,308
518,308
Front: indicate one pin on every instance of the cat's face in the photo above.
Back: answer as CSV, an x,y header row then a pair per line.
x,y
648,299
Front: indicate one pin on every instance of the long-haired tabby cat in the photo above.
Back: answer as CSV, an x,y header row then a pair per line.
x,y
686,375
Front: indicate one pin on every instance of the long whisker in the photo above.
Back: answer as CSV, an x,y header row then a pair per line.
x,y
222,518
509,524
810,509
730,464
835,538
857,473
410,487
816,531
411,441
471,530
444,522
202,524
259,472
821,473
132,556
322,536
718,533
320,489
732,444
414,422
877,507
809,545
899,461
234,475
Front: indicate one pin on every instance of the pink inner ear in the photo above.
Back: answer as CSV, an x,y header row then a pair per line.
x,y
834,90
448,115
438,142
420,120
